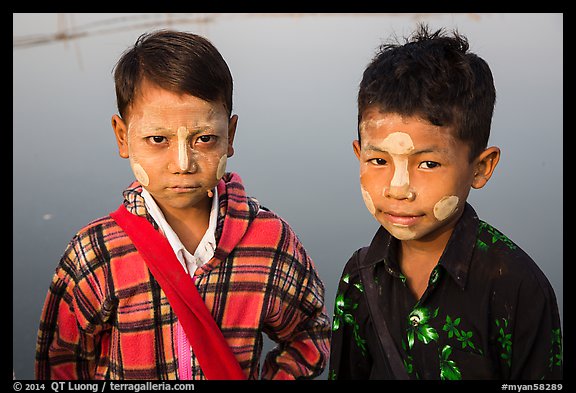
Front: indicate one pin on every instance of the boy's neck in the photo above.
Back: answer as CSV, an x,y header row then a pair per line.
x,y
189,224
417,259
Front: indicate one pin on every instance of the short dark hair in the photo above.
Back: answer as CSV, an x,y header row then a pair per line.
x,y
434,76
177,61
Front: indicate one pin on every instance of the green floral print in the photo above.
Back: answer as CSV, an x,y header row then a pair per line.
x,y
342,314
505,340
465,338
408,360
451,326
496,236
332,375
419,329
448,369
556,358
418,326
481,245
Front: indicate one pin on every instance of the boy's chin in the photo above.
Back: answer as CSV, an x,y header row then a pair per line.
x,y
184,202
400,233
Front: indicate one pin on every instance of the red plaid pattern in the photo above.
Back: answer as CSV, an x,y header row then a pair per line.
x,y
106,317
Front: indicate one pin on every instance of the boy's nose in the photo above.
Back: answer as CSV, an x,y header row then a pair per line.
x,y
399,192
183,160
399,187
186,161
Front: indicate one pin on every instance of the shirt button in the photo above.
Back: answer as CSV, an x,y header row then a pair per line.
x,y
415,320
434,276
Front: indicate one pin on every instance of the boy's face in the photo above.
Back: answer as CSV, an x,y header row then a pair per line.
x,y
415,177
177,145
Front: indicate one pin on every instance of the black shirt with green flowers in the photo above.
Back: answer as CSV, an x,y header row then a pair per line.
x,y
488,312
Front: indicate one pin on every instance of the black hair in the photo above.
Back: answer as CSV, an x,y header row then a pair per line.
x,y
181,62
432,75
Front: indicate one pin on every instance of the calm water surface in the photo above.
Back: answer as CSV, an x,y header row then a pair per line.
x,y
296,79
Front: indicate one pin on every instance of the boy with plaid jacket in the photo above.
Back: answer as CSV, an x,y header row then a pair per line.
x,y
106,316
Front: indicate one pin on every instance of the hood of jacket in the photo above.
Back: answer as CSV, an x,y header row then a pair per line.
x,y
236,211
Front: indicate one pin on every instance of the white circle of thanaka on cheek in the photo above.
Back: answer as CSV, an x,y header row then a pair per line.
x,y
445,207
368,201
140,174
221,167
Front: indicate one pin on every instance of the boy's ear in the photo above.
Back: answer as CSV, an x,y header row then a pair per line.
x,y
231,133
121,132
356,146
485,165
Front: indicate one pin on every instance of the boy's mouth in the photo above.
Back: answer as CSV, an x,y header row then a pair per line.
x,y
401,219
184,188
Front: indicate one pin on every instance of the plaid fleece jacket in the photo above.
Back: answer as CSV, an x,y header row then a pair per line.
x,y
106,317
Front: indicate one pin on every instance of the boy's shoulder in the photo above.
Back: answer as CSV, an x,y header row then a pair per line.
x,y
92,244
491,239
352,266
488,248
264,214
101,224
102,233
492,245
504,259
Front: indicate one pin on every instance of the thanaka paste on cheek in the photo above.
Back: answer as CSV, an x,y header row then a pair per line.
x,y
137,169
445,207
398,231
368,201
140,173
221,167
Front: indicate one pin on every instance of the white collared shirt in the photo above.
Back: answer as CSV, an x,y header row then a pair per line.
x,y
205,250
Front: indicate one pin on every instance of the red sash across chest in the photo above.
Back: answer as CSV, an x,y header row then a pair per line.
x,y
210,347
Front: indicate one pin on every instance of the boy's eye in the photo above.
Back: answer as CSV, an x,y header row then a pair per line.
x,y
157,139
429,164
205,138
378,161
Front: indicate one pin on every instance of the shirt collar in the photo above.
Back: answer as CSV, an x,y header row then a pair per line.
x,y
456,257
190,259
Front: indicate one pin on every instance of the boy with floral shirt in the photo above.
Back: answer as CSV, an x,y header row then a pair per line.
x,y
439,293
